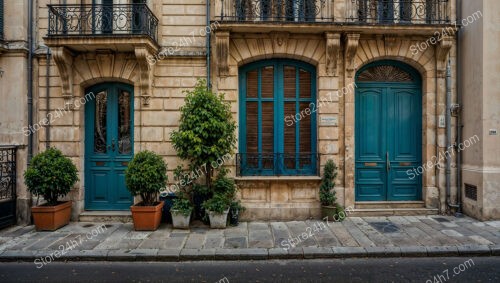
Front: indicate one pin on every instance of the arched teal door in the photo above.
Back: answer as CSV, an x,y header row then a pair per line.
x,y
388,123
109,146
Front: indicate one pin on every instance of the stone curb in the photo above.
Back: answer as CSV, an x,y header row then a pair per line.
x,y
175,255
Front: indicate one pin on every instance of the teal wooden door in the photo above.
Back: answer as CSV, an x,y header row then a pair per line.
x,y
388,133
108,146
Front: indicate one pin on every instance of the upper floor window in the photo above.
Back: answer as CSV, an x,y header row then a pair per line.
x,y
277,119
276,10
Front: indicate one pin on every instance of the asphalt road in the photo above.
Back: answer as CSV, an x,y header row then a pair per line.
x,y
427,270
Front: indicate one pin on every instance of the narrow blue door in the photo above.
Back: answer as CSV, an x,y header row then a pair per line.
x,y
388,133
108,146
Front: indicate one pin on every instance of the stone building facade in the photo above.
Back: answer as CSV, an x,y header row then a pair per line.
x,y
365,83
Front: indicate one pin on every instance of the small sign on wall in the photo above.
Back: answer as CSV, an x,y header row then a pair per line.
x,y
331,120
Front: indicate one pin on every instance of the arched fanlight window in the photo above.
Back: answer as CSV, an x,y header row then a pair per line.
x,y
385,73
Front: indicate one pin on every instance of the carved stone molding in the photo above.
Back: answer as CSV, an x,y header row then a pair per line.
x,y
145,74
332,52
222,52
442,51
280,41
351,46
63,58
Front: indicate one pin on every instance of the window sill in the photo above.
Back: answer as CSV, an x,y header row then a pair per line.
x,y
278,178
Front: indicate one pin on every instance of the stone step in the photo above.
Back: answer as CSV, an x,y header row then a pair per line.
x,y
363,212
106,216
389,204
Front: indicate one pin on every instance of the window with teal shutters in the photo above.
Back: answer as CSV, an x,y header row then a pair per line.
x,y
277,119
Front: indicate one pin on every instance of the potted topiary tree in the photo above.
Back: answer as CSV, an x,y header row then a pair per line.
x,y
226,186
206,133
51,175
145,176
218,208
327,197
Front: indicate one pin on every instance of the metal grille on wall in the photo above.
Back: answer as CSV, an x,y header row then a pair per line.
x,y
7,185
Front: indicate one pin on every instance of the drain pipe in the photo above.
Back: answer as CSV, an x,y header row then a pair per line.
x,y
30,80
458,110
209,84
448,136
47,97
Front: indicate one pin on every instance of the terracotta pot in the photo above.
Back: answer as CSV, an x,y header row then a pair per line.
x,y
51,218
146,218
179,220
218,220
330,212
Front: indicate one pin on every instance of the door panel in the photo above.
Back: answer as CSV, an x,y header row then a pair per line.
x,y
109,147
370,151
388,141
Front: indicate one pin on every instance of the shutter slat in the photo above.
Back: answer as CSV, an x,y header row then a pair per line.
x,y
289,82
267,81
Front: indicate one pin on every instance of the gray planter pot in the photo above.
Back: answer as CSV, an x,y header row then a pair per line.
x,y
179,220
218,220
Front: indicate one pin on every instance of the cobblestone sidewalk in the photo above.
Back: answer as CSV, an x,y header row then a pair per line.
x,y
354,237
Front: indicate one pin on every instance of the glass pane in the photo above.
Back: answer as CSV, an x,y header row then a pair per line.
x,y
252,84
124,123
289,82
267,80
305,84
100,122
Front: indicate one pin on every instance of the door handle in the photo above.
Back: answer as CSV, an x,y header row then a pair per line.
x,y
387,162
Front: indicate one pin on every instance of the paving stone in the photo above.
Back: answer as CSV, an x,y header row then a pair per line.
x,y
260,239
197,254
212,242
46,241
356,233
280,233
383,251
480,240
194,241
276,253
413,251
301,234
474,250
451,233
253,226
175,241
345,252
18,232
137,235
495,223
316,252
168,254
111,242
121,255
341,233
442,251
236,243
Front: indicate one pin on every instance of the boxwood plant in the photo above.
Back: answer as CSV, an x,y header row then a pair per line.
x,y
146,175
50,175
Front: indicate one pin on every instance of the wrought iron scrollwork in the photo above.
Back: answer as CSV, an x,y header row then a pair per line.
x,y
398,11
7,173
102,20
275,10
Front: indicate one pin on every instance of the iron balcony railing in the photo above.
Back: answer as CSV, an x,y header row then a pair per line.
x,y
360,12
397,11
277,164
102,20
274,10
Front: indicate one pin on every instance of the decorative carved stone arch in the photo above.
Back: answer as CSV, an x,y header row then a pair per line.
x,y
69,64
